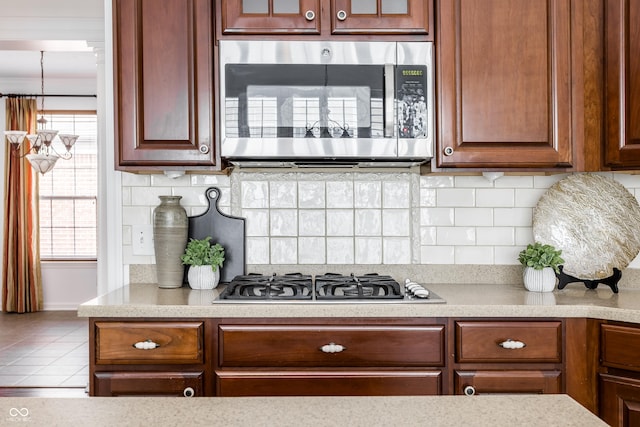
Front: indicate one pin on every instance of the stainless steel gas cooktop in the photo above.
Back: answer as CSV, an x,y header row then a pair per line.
x,y
326,288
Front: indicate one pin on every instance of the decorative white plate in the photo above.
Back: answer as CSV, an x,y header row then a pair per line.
x,y
594,220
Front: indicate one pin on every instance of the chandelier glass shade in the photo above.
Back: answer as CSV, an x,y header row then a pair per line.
x,y
41,153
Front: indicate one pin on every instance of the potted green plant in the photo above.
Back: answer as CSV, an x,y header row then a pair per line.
x,y
541,262
204,261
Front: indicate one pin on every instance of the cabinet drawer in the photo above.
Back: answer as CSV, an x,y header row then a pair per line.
x,y
188,384
499,382
177,342
288,383
478,342
297,346
620,347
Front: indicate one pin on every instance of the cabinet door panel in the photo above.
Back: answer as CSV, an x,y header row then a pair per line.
x,y
622,79
309,383
163,84
391,17
620,347
504,82
270,17
500,382
147,383
619,400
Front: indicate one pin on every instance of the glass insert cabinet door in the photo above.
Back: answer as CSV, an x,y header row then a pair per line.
x,y
384,17
270,16
381,17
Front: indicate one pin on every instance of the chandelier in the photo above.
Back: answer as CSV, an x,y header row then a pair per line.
x,y
41,152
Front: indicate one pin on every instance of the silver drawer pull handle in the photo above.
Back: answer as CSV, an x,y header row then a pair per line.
x,y
146,345
332,348
512,344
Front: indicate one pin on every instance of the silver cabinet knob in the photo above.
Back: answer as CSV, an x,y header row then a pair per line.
x,y
204,148
469,390
448,151
310,15
189,392
341,15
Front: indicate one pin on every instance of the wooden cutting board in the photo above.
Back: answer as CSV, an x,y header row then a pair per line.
x,y
227,230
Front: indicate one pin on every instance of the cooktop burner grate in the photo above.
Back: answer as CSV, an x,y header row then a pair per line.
x,y
368,286
260,287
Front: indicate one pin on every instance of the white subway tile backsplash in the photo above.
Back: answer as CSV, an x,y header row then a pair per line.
x,y
437,216
437,255
396,194
428,235
256,222
509,181
367,194
473,181
283,222
340,222
283,194
495,197
312,222
339,194
474,255
368,250
340,250
311,250
436,181
456,236
428,197
368,222
529,197
364,218
495,236
257,250
396,250
516,217
395,222
311,195
507,255
456,197
284,250
524,235
137,215
473,217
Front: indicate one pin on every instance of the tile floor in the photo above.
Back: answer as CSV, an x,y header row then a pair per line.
x,y
44,349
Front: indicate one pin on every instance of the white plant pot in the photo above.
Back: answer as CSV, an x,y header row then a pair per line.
x,y
203,277
539,280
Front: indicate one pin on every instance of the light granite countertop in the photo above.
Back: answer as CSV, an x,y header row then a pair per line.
x,y
504,410
462,300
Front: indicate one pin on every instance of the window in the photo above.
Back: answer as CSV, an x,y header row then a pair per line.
x,y
68,193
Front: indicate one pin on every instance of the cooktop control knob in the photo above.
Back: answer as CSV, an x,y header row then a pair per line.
x,y
415,290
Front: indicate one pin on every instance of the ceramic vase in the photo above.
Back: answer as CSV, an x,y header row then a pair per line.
x,y
539,280
203,277
170,230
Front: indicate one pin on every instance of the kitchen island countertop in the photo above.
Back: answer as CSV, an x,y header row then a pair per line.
x,y
514,410
462,300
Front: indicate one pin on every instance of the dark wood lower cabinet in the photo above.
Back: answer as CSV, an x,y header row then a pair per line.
x,y
619,400
187,384
490,382
305,383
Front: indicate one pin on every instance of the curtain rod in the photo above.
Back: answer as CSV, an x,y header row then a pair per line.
x,y
22,95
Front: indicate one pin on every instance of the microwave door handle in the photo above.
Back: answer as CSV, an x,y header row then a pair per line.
x,y
389,98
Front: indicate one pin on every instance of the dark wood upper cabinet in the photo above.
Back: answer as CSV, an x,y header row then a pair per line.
x,y
164,80
622,83
323,17
504,84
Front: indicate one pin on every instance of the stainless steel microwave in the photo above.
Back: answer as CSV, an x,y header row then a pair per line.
x,y
295,103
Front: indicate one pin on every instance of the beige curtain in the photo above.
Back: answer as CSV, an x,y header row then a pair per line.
x,y
21,275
